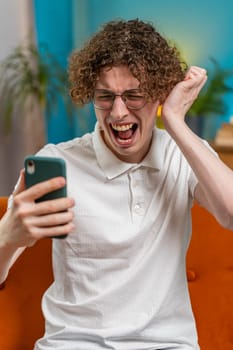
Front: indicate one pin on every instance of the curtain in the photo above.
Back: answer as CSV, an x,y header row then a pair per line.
x,y
27,132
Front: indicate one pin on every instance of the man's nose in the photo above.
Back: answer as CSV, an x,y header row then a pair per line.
x,y
119,108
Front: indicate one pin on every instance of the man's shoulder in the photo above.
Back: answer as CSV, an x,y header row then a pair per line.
x,y
77,142
163,138
75,146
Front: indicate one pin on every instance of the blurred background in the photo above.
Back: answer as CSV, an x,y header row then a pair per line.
x,y
202,30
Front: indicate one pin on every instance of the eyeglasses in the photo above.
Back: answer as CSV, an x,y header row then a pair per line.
x,y
104,99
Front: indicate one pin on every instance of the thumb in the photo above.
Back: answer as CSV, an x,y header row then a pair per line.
x,y
20,185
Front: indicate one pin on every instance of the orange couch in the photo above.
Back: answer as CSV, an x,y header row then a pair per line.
x,y
21,319
210,276
209,272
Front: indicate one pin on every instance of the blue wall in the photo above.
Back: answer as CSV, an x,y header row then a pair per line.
x,y
199,28
54,28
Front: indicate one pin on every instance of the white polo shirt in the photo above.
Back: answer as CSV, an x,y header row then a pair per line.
x,y
120,277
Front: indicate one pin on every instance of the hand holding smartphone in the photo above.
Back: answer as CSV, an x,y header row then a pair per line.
x,y
38,169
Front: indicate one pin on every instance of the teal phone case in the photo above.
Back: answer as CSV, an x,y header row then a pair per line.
x,y
38,169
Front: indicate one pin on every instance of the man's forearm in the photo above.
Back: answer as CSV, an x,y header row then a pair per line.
x,y
215,178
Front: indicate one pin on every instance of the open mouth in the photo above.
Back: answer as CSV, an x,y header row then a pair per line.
x,y
124,133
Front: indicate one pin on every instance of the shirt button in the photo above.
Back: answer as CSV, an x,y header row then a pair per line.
x,y
138,208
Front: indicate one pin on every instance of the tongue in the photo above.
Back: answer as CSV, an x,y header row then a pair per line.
x,y
127,134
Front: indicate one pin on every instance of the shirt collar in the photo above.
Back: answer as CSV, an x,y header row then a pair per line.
x,y
113,166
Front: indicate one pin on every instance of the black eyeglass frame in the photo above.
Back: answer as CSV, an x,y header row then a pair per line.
x,y
123,97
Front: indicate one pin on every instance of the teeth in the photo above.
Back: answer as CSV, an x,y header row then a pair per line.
x,y
122,127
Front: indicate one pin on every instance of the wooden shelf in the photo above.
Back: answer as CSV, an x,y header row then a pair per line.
x,y
225,153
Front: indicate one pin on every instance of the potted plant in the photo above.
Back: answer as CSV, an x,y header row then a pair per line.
x,y
30,77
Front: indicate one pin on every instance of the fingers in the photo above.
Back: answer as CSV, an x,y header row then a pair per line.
x,y
49,225
38,220
194,81
196,74
183,96
194,70
42,188
50,220
27,220
44,207
48,232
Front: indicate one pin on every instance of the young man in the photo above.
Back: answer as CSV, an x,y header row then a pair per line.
x,y
119,276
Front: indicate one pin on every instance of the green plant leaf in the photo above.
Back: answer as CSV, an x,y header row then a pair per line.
x,y
28,72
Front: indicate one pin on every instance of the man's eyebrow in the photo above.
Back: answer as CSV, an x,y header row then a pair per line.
x,y
104,90
126,91
133,90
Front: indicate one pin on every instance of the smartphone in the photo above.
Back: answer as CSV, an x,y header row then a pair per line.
x,y
38,169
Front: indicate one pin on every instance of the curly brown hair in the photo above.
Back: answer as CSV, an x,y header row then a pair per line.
x,y
149,57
